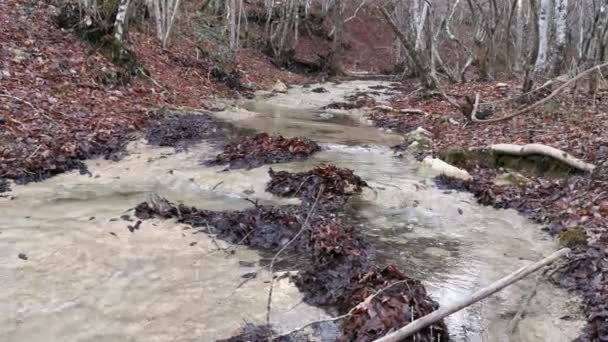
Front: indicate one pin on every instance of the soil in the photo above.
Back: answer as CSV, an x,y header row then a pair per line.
x,y
254,151
341,271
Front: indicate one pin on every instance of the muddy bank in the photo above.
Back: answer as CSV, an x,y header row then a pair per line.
x,y
340,271
254,151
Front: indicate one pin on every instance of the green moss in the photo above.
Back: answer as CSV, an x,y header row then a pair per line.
x,y
574,237
468,159
535,165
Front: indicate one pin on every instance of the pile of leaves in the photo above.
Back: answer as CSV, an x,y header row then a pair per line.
x,y
338,185
402,123
401,301
341,270
182,130
254,151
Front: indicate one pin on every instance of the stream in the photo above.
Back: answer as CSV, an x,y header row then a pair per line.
x,y
87,277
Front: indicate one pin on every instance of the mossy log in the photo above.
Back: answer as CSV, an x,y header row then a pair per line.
x,y
544,150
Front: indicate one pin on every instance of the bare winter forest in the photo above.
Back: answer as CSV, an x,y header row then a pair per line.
x,y
359,170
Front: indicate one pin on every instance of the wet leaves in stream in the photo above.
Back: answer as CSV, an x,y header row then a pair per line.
x,y
338,184
254,151
341,271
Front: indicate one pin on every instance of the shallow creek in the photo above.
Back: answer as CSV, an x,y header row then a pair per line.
x,y
88,278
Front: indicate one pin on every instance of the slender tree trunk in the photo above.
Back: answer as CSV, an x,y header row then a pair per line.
x,y
120,23
519,36
544,31
533,55
561,15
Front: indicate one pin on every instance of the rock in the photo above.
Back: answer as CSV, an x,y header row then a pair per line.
x,y
502,85
418,140
279,87
445,169
320,90
511,178
215,106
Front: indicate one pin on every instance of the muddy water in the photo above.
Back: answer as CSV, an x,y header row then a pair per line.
x,y
88,278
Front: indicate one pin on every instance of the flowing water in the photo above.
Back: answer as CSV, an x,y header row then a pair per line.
x,y
88,278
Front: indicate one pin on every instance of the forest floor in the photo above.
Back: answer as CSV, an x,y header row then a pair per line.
x,y
62,101
573,206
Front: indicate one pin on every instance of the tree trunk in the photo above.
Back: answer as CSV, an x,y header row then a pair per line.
x,y
561,15
121,21
543,38
533,56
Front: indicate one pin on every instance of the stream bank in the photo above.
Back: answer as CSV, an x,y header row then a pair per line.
x,y
152,282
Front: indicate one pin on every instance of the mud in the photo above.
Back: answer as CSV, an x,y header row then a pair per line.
x,y
261,149
338,185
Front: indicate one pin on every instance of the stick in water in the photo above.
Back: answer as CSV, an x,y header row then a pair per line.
x,y
447,310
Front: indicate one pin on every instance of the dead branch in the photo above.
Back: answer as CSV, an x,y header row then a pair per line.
x,y
546,99
276,256
544,150
447,310
475,107
524,305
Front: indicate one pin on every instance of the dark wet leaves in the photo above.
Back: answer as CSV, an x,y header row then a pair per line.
x,y
338,184
182,130
254,151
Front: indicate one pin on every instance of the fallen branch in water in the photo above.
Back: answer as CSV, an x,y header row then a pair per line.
x,y
544,150
520,313
276,256
447,310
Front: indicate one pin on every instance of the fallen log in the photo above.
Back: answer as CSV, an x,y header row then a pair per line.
x,y
447,310
544,150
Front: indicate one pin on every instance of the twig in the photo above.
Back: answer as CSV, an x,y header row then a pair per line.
x,y
276,256
38,111
524,305
350,312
